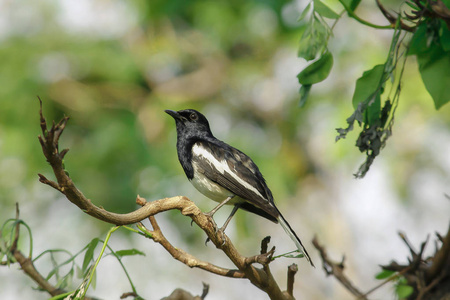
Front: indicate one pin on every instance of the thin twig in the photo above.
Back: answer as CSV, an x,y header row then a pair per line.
x,y
440,258
352,14
337,270
390,278
292,270
191,261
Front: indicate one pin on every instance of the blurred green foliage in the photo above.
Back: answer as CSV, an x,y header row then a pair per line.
x,y
115,85
115,67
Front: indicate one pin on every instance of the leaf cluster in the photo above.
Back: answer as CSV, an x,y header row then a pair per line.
x,y
374,106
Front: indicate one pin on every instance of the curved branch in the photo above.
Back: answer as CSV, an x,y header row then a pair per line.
x,y
191,261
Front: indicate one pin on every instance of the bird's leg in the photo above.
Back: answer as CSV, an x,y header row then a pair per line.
x,y
235,208
221,230
212,212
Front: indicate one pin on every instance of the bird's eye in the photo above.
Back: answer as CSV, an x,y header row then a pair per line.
x,y
193,117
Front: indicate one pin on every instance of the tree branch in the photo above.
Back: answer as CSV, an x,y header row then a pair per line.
x,y
393,19
440,259
428,276
337,270
191,261
260,277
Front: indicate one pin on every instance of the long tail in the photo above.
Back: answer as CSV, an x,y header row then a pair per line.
x,y
294,237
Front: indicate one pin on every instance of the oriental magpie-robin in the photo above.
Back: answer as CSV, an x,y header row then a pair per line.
x,y
223,173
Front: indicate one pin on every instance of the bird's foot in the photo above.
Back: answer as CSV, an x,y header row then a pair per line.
x,y
221,236
220,233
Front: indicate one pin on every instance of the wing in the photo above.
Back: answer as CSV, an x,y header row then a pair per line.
x,y
236,172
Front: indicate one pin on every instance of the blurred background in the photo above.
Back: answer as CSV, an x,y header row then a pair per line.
x,y
113,66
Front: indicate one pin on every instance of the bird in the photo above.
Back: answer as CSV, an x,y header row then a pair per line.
x,y
225,174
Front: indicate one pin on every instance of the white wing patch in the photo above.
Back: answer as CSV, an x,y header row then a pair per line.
x,y
220,166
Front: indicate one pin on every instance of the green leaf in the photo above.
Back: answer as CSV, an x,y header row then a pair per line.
x,y
352,4
367,85
129,252
373,110
324,10
94,279
446,3
444,36
384,274
306,11
313,40
66,280
89,255
304,93
403,291
434,68
317,71
294,256
418,43
61,296
306,49
79,272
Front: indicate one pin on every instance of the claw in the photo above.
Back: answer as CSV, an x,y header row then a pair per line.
x,y
221,232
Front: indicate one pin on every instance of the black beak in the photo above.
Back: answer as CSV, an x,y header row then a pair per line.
x,y
174,114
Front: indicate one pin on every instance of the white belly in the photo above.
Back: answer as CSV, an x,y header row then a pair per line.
x,y
211,189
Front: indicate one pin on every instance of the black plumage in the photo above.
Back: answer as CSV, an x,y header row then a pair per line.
x,y
223,173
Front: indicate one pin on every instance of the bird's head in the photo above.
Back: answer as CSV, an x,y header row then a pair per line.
x,y
190,123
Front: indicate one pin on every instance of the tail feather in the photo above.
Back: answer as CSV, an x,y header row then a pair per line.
x,y
294,237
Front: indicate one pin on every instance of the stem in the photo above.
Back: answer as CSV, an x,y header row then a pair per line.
x,y
390,278
60,296
352,14
105,243
133,230
124,269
